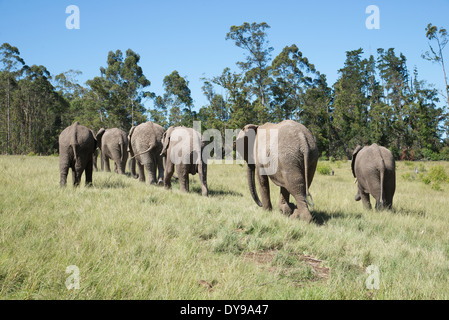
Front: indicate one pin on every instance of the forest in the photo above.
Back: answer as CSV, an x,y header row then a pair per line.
x,y
376,98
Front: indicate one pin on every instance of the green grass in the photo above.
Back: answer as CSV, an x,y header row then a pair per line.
x,y
134,241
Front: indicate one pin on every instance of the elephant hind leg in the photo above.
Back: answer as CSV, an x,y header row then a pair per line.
x,y
141,172
296,187
301,211
183,179
202,172
107,167
286,207
63,172
151,170
77,172
88,173
160,170
264,188
168,173
365,200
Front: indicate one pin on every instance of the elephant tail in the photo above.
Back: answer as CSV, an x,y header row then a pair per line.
x,y
124,152
251,175
382,175
306,178
148,150
74,142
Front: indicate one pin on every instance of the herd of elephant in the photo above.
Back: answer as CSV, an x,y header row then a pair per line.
x,y
151,148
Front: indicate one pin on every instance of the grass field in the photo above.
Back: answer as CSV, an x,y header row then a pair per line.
x,y
129,240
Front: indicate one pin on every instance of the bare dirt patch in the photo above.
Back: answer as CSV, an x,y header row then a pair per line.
x,y
297,268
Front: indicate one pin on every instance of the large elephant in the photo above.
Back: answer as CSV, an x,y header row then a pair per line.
x,y
289,160
183,148
76,147
144,147
374,168
113,144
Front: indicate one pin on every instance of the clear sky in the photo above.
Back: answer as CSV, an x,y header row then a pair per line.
x,y
189,36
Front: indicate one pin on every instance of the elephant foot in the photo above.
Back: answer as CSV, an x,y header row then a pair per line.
x,y
358,197
160,182
287,208
302,215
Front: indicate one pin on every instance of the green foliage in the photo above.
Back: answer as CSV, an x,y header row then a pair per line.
x,y
324,168
376,99
117,94
253,39
434,177
435,55
177,97
444,154
408,163
437,174
408,176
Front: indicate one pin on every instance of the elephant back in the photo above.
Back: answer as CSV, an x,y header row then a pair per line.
x,y
77,139
77,134
115,135
144,138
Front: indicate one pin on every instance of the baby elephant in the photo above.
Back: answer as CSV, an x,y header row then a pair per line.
x,y
374,169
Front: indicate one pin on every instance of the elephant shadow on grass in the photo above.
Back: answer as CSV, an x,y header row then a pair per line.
x,y
321,217
216,192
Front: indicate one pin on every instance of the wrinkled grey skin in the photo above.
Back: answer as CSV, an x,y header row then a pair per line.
x,y
76,147
190,162
114,145
144,147
297,160
374,169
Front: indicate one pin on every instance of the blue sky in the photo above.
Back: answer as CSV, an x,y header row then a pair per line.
x,y
189,36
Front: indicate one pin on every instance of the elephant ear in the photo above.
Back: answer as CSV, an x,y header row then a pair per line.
x,y
354,156
166,140
245,142
99,135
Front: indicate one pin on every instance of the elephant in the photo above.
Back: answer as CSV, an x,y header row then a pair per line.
x,y
291,166
77,144
95,158
144,147
183,148
374,169
113,144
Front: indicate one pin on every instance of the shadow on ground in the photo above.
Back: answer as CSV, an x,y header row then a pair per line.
x,y
216,192
321,217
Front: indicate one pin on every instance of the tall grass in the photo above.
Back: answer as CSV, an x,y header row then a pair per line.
x,y
135,241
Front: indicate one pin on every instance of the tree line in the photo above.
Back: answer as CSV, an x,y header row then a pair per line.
x,y
376,98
